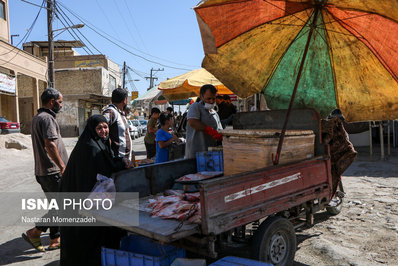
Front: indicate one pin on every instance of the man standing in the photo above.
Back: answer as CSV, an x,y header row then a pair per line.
x,y
121,143
203,123
170,110
226,111
150,136
50,159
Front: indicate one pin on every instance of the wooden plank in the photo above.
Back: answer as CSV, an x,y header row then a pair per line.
x,y
264,133
246,150
300,119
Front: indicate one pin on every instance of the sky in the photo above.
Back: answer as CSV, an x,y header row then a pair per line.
x,y
162,31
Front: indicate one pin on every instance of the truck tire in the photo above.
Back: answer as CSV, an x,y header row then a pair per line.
x,y
338,199
275,241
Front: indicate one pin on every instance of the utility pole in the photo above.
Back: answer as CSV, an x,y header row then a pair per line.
x,y
124,75
152,78
50,43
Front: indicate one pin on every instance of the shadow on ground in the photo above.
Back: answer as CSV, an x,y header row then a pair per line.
x,y
18,250
139,153
53,263
374,166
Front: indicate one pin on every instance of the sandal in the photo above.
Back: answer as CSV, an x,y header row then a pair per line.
x,y
34,242
49,248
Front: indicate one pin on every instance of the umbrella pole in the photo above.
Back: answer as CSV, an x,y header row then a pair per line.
x,y
307,45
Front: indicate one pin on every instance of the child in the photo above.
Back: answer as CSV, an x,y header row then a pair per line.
x,y
164,138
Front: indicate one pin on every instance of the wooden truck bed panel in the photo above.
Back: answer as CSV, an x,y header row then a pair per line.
x,y
224,198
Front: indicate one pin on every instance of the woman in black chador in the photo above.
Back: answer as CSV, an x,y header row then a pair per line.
x,y
91,156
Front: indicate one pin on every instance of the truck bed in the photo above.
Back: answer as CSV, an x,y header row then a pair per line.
x,y
230,201
153,227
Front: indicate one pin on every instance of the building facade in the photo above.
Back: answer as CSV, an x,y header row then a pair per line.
x,y
22,76
86,82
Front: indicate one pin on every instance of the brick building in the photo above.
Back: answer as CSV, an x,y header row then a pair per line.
x,y
22,76
86,82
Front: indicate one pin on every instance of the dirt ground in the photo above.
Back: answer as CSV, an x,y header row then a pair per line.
x,y
364,233
366,230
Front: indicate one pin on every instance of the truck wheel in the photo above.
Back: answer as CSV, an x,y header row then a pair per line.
x,y
337,201
275,241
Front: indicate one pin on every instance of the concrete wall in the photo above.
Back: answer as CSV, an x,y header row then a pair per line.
x,y
115,71
22,62
360,139
5,24
74,114
81,61
79,81
26,107
8,107
26,113
68,118
27,84
86,62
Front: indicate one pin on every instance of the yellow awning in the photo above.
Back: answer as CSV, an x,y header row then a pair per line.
x,y
188,85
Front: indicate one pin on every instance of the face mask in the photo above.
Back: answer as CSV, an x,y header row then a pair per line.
x,y
56,107
209,106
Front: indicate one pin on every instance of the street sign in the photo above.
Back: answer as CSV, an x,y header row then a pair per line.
x,y
134,95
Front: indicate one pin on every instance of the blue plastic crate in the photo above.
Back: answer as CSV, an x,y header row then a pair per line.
x,y
138,250
231,261
210,161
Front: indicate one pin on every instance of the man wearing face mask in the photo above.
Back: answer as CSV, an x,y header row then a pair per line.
x,y
203,123
50,160
121,144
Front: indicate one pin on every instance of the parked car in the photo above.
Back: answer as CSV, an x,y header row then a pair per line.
x,y
7,126
138,125
133,130
144,124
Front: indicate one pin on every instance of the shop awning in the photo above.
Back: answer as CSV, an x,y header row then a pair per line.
x,y
150,95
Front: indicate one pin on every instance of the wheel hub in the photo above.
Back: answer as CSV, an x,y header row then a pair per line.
x,y
278,248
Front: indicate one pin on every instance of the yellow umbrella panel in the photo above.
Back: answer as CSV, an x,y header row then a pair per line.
x,y
188,85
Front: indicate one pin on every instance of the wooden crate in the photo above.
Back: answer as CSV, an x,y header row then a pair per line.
x,y
250,149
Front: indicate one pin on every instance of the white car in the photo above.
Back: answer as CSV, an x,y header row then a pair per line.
x,y
134,133
138,125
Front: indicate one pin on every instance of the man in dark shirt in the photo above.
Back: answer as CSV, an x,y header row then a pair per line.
x,y
50,159
226,110
149,140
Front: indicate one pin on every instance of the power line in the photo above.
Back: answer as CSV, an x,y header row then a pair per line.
x,y
70,29
96,30
139,73
125,23
131,82
135,25
72,33
109,21
24,38
62,12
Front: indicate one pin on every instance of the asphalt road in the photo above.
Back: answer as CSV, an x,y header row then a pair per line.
x,y
139,148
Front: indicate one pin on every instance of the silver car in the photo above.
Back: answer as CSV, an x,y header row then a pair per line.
x,y
138,125
134,133
144,124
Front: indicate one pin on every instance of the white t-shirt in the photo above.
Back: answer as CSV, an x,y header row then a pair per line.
x,y
198,141
121,144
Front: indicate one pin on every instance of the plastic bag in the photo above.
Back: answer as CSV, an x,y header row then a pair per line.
x,y
104,193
